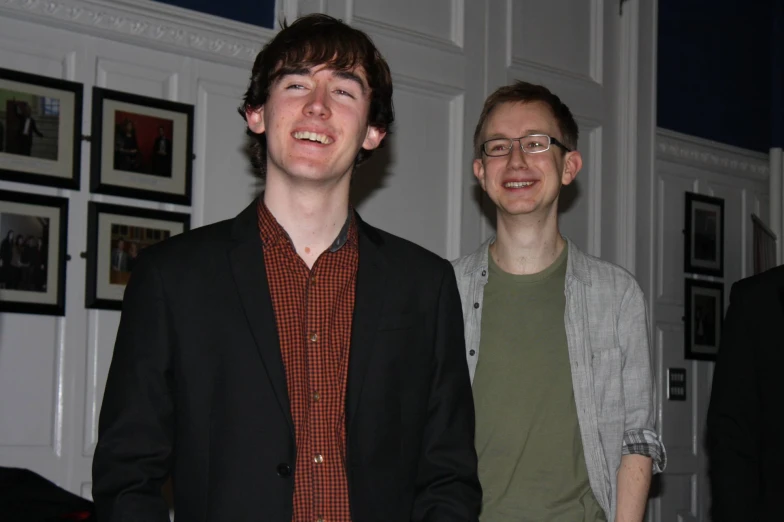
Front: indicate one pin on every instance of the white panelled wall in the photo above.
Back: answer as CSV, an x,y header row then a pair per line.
x,y
687,164
446,56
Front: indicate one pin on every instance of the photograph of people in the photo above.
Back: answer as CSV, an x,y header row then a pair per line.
x,y
161,154
27,129
126,148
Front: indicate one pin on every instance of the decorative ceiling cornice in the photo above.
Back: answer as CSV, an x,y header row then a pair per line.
x,y
711,155
152,24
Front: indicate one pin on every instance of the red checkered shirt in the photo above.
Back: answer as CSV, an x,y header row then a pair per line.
x,y
313,310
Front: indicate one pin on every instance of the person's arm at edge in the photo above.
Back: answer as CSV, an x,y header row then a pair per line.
x,y
732,426
634,481
642,453
447,484
135,436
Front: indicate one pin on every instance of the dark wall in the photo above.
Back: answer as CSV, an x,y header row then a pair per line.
x,y
254,12
716,72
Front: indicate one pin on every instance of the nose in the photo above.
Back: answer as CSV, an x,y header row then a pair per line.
x,y
318,103
517,158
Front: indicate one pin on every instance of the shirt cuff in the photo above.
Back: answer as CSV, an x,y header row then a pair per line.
x,y
647,443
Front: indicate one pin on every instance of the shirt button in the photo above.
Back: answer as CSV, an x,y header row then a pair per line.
x,y
319,519
313,280
476,305
316,396
484,272
313,337
472,352
318,459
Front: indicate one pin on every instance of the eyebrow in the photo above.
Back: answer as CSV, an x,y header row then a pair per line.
x,y
305,71
529,132
348,75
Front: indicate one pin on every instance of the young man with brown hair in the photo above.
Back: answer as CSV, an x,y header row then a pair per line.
x,y
294,363
563,388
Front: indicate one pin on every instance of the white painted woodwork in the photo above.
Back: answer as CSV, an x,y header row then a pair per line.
x,y
686,164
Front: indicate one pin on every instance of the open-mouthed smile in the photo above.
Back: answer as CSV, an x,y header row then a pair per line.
x,y
518,184
313,136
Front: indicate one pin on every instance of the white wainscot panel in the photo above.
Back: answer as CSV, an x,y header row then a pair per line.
x,y
102,332
737,225
36,49
86,490
558,34
678,430
223,163
670,210
579,205
28,379
404,188
153,78
680,489
434,19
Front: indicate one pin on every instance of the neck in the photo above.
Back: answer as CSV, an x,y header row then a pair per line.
x,y
527,244
312,216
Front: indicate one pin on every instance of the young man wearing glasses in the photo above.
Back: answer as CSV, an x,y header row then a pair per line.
x,y
563,390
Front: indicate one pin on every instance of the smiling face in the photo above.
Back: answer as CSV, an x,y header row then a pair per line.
x,y
519,183
315,121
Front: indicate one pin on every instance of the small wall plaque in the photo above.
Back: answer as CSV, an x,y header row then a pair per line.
x,y
676,384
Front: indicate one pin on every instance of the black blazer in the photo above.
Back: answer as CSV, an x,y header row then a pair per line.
x,y
197,388
747,403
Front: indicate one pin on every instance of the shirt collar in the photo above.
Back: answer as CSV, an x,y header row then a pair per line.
x,y
576,262
272,232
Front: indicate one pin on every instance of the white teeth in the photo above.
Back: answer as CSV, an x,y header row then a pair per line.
x,y
312,136
518,184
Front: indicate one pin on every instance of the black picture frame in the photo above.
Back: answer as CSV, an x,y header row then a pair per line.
x,y
112,230
128,163
704,235
704,317
28,284
47,148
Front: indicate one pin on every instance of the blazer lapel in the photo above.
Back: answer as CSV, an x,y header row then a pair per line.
x,y
368,306
250,276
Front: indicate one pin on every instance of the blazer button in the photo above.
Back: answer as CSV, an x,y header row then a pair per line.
x,y
284,470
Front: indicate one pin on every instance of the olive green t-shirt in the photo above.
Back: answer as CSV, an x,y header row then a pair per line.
x,y
531,462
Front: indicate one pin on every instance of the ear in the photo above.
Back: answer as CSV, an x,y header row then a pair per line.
x,y
573,162
373,138
255,119
479,173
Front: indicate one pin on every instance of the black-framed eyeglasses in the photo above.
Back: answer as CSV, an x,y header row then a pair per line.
x,y
531,144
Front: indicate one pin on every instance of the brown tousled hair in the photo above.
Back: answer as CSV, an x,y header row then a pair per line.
x,y
310,41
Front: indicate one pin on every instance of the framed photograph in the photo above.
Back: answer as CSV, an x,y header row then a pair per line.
x,y
704,248
704,317
116,236
40,129
32,253
141,147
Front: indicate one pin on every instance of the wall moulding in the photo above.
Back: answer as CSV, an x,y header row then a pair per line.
x,y
452,45
711,155
146,23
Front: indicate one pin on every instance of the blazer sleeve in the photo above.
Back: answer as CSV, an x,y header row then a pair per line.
x,y
447,485
733,418
136,426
